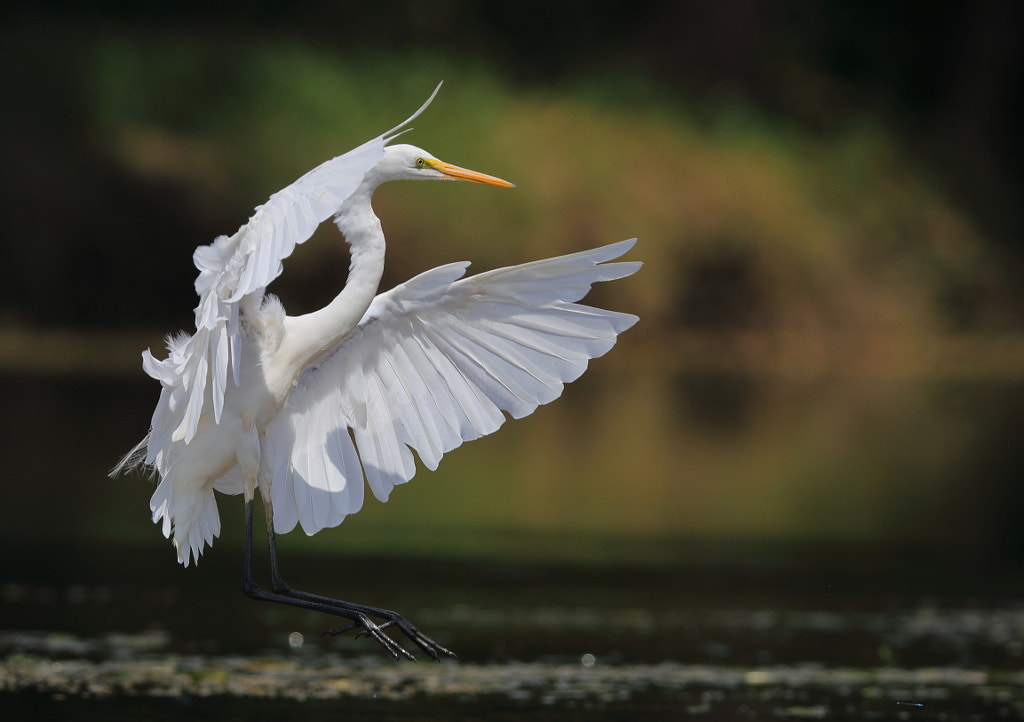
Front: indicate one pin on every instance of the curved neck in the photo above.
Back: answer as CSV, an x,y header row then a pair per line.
x,y
308,336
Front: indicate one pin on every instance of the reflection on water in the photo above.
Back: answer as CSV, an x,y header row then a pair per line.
x,y
717,404
638,456
652,546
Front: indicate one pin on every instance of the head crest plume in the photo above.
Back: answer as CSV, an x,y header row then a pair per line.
x,y
400,128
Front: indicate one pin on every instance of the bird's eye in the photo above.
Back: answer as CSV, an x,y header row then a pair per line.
x,y
421,162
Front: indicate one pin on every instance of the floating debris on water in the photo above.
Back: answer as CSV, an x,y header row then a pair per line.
x,y
331,677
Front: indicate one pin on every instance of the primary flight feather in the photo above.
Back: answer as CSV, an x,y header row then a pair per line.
x,y
309,408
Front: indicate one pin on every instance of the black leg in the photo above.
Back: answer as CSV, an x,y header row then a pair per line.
x,y
361,616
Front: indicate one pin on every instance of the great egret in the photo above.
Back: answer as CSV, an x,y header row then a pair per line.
x,y
305,407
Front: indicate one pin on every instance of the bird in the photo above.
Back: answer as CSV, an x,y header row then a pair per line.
x,y
310,409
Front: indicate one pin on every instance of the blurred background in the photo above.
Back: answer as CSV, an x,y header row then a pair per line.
x,y
827,196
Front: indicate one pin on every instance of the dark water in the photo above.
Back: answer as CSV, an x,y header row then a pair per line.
x,y
640,620
105,633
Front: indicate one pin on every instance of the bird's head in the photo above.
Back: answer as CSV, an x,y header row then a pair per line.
x,y
407,162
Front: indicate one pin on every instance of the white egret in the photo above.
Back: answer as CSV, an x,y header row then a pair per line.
x,y
304,408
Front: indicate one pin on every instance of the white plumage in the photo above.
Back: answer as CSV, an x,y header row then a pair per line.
x,y
309,408
433,363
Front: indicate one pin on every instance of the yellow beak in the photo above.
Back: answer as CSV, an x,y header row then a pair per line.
x,y
456,173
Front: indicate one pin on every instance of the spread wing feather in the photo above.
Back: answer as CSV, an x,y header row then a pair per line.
x,y
197,369
433,363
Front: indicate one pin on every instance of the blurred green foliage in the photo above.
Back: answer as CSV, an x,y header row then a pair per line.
x,y
821,325
747,221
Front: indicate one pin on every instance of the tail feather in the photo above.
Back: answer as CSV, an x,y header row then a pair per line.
x,y
191,521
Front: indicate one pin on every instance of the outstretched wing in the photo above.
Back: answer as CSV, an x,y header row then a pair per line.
x,y
433,363
195,374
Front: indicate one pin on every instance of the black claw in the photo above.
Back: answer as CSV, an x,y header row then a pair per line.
x,y
335,631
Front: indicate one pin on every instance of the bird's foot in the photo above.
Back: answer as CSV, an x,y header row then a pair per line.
x,y
370,628
361,617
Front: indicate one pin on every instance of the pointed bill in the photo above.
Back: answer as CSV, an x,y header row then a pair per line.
x,y
456,173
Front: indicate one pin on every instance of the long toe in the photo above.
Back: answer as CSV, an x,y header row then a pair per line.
x,y
394,648
366,626
422,641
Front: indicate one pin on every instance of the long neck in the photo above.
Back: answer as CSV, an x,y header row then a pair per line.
x,y
308,336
